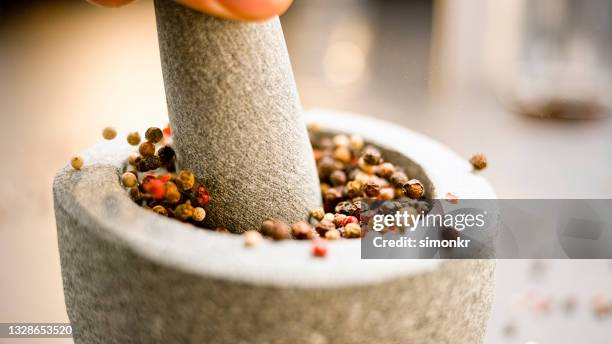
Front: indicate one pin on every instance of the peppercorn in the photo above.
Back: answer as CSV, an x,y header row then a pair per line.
x,y
324,226
326,166
132,158
186,180
364,166
200,196
371,156
328,217
156,188
386,194
346,208
319,248
371,189
275,229
352,230
148,163
199,214
338,219
135,194
166,154
324,187
354,188
154,135
109,133
222,230
302,230
332,195
129,179
160,210
342,154
333,234
355,142
349,219
386,170
252,238
172,193
146,149
414,189
76,162
341,140
398,179
184,211
317,213
167,130
337,178
133,138
479,161
314,127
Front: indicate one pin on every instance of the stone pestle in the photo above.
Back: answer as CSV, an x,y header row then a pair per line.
x,y
236,116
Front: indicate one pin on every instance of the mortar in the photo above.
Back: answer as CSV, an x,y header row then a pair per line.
x,y
132,276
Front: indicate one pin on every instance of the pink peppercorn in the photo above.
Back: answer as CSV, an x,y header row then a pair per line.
x,y
201,196
167,131
319,248
157,189
349,219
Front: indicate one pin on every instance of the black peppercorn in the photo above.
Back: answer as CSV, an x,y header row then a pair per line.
x,y
327,165
347,208
148,163
166,154
154,135
479,161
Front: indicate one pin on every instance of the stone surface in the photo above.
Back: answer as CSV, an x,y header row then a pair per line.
x,y
131,276
236,116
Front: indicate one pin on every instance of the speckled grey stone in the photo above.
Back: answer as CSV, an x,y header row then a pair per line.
x,y
132,276
236,116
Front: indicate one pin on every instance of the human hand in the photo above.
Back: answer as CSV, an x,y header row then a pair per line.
x,y
249,10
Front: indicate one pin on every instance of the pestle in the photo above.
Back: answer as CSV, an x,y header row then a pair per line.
x,y
236,116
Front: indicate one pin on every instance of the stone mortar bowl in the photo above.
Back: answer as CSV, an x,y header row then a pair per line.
x,y
132,276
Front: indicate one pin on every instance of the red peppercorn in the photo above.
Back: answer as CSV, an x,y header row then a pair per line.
x,y
164,178
349,219
319,247
167,130
157,189
201,196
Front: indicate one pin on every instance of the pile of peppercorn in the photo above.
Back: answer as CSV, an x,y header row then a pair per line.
x,y
152,181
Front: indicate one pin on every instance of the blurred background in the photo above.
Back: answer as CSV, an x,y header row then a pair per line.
x,y
527,82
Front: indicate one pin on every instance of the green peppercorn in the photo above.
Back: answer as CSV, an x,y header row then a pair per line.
x,y
129,179
146,149
317,213
337,178
133,138
352,230
302,230
161,210
323,226
186,180
414,189
199,214
109,133
371,189
172,193
154,135
184,211
76,162
333,234
479,161
166,154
